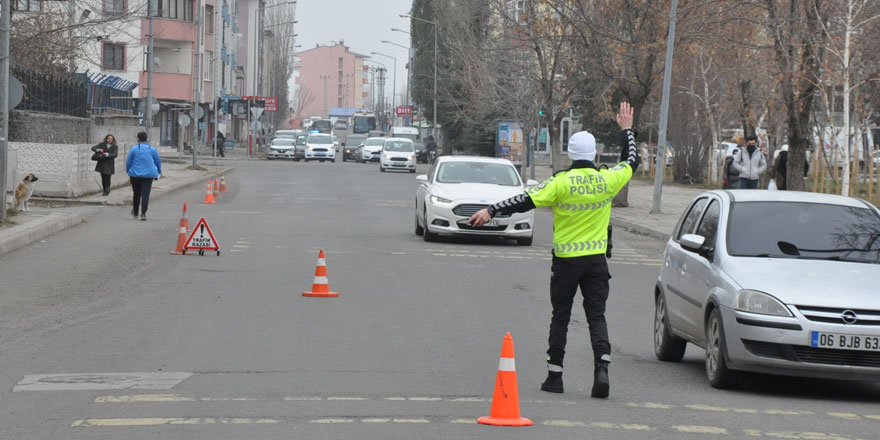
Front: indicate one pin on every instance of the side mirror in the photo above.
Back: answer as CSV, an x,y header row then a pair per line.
x,y
692,242
530,183
422,178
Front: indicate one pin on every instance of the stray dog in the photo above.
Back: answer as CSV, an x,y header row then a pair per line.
x,y
24,191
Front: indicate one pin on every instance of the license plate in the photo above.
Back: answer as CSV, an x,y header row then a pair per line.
x,y
492,222
398,164
320,154
845,342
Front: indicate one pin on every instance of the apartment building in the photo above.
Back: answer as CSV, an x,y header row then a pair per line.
x,y
331,77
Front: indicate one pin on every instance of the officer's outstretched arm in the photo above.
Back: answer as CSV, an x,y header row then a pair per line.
x,y
628,152
519,203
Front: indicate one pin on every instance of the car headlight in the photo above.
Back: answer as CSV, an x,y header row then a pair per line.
x,y
753,301
441,201
412,157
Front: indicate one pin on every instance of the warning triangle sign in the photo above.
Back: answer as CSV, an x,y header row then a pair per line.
x,y
202,238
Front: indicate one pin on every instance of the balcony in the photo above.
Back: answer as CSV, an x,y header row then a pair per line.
x,y
169,29
169,86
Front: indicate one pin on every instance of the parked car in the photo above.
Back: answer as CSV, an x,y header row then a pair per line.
x,y
319,146
281,148
352,142
398,154
291,134
458,186
777,282
300,153
370,149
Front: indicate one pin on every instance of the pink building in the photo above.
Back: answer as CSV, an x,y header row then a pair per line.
x,y
330,77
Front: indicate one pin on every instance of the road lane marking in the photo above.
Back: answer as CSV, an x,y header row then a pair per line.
x,y
695,429
157,421
239,212
845,416
103,381
331,421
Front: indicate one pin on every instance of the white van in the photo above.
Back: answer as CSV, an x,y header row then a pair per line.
x,y
411,133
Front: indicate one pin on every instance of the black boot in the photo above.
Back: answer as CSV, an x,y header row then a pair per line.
x,y
600,380
553,384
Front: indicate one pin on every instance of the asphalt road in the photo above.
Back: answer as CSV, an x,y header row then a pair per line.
x,y
104,335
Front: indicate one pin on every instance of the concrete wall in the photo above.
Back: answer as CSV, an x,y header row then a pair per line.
x,y
64,170
25,126
124,127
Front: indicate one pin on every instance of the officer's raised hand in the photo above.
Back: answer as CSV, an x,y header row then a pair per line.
x,y
625,116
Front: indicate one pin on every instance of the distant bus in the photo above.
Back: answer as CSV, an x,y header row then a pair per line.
x,y
322,126
363,123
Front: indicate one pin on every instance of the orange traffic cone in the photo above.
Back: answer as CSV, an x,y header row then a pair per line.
x,y
216,189
209,196
183,220
181,238
321,286
222,183
505,401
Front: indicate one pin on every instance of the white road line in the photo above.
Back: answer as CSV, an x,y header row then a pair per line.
x,y
156,421
102,381
239,212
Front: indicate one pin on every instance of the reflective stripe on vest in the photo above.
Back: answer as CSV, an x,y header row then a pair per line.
x,y
565,248
583,206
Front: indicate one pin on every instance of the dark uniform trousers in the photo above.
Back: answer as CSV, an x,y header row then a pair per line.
x,y
590,273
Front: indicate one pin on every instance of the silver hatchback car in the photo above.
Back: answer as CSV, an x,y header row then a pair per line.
x,y
777,282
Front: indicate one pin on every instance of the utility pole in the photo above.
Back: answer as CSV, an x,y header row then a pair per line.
x,y
148,108
660,162
4,100
324,77
197,74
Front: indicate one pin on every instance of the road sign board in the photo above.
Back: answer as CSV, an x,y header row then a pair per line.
x,y
404,110
256,112
183,120
16,92
199,113
201,238
271,103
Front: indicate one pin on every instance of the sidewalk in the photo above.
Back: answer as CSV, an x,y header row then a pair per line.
x,y
50,215
637,217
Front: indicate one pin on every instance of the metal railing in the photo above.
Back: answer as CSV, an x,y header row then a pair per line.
x,y
47,93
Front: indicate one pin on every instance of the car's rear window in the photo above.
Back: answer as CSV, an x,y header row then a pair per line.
x,y
282,141
477,172
320,139
372,142
805,230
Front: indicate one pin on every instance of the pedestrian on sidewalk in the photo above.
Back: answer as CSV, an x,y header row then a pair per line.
x,y
220,142
105,154
581,197
143,166
730,174
750,164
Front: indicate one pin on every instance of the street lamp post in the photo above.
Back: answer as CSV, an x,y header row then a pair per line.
x,y
408,70
394,82
434,123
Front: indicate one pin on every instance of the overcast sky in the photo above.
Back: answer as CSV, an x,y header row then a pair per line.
x,y
362,24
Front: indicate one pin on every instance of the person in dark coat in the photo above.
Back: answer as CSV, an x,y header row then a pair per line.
x,y
780,169
730,174
220,141
105,154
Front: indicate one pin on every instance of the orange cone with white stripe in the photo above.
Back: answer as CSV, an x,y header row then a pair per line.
x,y
505,401
222,183
321,286
216,189
181,234
209,196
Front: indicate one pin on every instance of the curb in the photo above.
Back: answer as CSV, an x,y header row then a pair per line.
x,y
639,229
43,227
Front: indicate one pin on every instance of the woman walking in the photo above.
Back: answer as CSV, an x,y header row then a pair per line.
x,y
105,154
143,166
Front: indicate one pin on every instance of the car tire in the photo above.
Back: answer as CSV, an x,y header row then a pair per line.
x,y
667,347
382,170
716,366
427,235
412,171
527,241
419,229
334,160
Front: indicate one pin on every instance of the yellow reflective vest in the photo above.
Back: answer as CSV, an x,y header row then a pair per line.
x,y
581,201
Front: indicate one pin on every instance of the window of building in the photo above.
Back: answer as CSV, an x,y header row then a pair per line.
x,y
114,7
340,77
26,5
339,90
208,65
209,19
176,9
340,62
114,56
339,102
515,10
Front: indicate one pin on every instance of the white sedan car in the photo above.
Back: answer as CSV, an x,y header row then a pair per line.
x,y
458,186
282,148
398,154
319,146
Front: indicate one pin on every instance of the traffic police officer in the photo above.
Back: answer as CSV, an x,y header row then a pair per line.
x,y
581,200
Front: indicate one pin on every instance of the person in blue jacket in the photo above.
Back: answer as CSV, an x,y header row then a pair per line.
x,y
143,166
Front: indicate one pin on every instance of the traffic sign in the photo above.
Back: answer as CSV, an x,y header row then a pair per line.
x,y
183,120
202,239
16,92
199,112
271,103
404,110
257,112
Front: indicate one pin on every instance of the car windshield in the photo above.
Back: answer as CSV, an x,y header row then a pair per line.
x,y
282,142
403,146
353,141
374,142
301,140
320,139
804,230
477,172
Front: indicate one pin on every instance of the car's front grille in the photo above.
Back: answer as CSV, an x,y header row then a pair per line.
x,y
469,209
400,159
466,227
319,149
280,151
836,315
802,353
